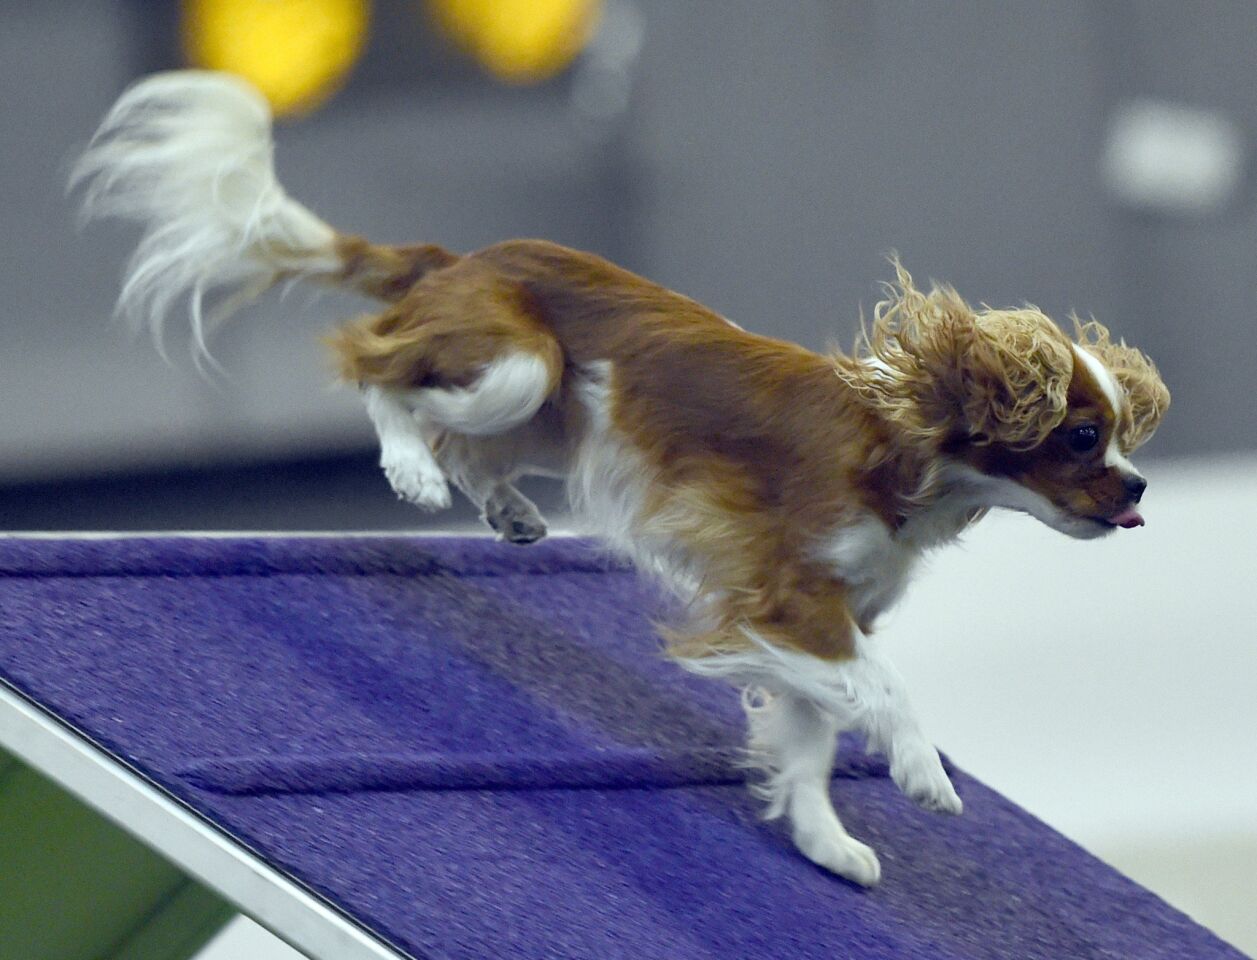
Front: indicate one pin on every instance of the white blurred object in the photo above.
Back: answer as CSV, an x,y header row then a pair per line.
x,y
603,81
1174,159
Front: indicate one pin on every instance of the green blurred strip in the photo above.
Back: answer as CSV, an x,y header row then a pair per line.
x,y
7,766
178,927
75,887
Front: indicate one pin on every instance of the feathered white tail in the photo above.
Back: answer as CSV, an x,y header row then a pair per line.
x,y
188,155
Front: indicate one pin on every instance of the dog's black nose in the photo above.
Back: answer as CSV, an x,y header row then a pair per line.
x,y
1135,487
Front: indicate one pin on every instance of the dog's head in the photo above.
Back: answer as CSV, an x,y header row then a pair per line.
x,y
1030,419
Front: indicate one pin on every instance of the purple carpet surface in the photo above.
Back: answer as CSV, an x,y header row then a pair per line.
x,y
479,750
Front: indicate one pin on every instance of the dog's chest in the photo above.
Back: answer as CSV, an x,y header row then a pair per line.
x,y
873,564
876,563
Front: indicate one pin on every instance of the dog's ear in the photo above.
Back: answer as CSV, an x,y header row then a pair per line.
x,y
1147,397
1014,370
988,376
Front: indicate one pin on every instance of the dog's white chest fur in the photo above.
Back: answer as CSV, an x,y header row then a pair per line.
x,y
876,562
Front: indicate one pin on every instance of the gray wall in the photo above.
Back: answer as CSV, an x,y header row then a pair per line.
x,y
791,152
772,155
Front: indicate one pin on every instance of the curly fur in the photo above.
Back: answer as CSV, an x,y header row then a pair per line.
x,y
940,369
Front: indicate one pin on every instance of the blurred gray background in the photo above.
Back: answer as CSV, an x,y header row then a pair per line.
x,y
761,157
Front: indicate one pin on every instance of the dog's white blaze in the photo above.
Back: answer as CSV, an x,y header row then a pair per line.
x,y
1102,376
510,390
1113,456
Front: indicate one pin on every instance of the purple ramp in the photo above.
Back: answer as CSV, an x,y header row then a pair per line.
x,y
479,751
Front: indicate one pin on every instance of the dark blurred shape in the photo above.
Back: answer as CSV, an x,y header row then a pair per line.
x,y
344,493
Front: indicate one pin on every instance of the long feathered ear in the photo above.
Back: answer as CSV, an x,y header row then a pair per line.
x,y
1147,397
942,369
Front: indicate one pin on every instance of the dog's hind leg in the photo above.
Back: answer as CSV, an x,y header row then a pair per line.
x,y
513,516
405,457
485,469
502,397
458,356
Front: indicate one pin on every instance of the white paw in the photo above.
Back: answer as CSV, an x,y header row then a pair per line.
x,y
919,774
417,480
841,854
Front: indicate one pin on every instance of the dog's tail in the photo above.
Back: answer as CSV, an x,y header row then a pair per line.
x,y
188,155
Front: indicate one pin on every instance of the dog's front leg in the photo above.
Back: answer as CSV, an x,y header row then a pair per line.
x,y
876,703
792,741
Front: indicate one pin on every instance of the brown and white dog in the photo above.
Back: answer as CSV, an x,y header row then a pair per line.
x,y
786,495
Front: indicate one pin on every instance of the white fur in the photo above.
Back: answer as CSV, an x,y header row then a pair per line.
x,y
608,482
873,563
814,699
508,392
480,464
863,693
405,456
507,395
792,741
188,155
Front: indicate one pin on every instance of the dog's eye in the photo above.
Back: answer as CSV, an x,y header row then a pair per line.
x,y
1084,438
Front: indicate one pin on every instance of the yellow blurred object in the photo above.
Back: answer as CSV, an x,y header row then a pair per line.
x,y
297,52
520,41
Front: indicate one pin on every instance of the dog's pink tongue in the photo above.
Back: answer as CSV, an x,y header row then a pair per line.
x,y
1127,518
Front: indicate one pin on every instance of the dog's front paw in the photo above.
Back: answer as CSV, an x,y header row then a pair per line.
x,y
417,480
919,774
841,854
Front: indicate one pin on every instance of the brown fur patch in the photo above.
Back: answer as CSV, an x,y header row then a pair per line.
x,y
387,272
444,331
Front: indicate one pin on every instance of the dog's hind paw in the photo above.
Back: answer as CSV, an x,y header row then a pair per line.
x,y
515,518
417,481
